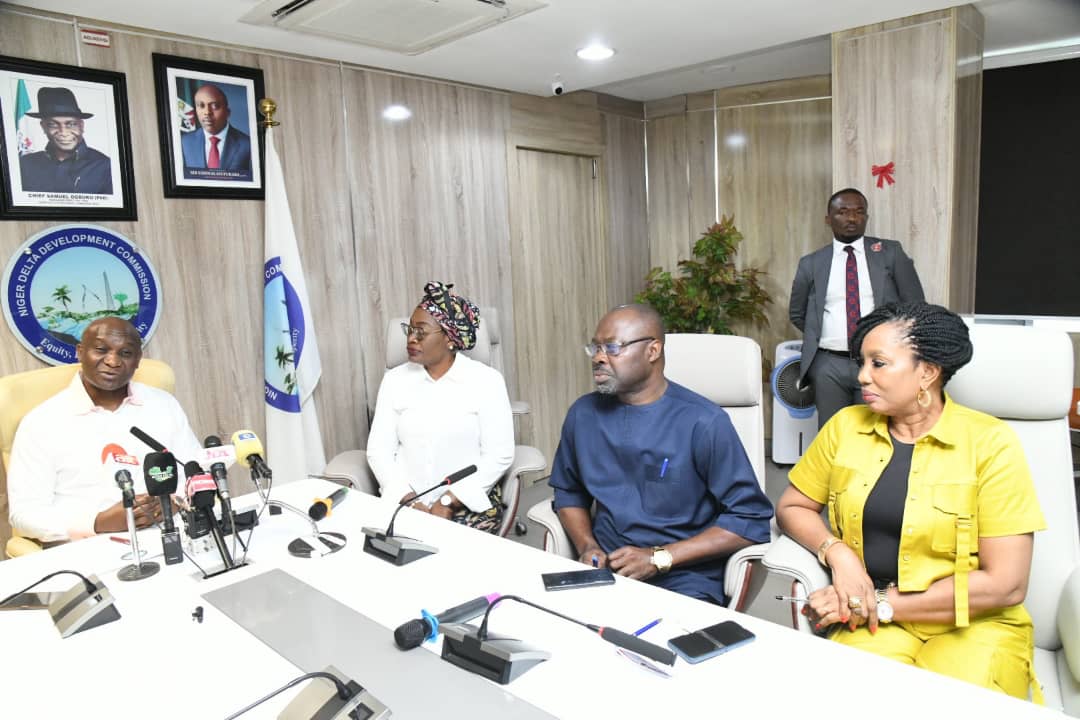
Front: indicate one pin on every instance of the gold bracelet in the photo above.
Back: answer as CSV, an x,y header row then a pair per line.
x,y
824,547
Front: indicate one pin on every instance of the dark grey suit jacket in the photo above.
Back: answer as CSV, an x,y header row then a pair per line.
x,y
892,278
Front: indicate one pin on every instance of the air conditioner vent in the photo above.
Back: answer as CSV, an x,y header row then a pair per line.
x,y
410,27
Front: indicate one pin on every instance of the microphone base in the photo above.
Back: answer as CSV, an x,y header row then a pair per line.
x,y
320,700
325,543
394,549
497,658
222,570
138,571
76,610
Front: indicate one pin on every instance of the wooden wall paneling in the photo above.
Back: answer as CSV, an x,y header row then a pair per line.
x,y
558,309
701,171
626,216
670,234
429,198
775,178
968,141
894,101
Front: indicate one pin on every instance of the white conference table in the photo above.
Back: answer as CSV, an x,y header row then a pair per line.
x,y
157,662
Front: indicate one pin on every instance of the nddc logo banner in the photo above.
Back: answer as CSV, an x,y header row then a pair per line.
x,y
67,276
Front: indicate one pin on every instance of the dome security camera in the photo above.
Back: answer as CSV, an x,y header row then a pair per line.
x,y
557,86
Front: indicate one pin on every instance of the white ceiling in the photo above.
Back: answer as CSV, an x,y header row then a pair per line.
x,y
663,47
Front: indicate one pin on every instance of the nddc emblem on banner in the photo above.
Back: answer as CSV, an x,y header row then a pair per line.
x,y
67,276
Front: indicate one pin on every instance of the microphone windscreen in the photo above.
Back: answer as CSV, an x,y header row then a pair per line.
x,y
462,473
211,441
411,634
318,510
246,444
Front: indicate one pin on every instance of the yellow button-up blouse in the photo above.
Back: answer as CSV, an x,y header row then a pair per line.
x,y
969,479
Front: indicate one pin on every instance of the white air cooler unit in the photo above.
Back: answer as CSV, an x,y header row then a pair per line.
x,y
794,419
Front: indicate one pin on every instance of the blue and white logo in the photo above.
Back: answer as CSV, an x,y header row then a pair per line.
x,y
67,276
283,337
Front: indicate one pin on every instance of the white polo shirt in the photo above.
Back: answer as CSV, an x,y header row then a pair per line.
x,y
56,481
425,429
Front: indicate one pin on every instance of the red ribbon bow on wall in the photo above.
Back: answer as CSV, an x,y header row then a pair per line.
x,y
883,173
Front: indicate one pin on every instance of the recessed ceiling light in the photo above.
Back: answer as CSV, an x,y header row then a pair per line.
x,y
595,52
397,112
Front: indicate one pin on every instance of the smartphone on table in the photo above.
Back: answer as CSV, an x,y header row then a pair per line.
x,y
577,578
711,641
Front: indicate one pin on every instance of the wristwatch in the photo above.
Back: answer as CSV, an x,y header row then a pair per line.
x,y
823,548
884,607
445,500
662,559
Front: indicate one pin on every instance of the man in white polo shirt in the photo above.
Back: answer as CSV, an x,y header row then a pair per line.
x,y
58,489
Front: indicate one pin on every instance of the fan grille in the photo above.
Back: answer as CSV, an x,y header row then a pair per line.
x,y
788,390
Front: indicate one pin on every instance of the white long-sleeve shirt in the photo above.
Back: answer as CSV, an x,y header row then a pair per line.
x,y
425,429
57,483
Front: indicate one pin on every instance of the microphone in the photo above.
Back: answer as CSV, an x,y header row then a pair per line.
x,y
402,551
121,465
201,491
502,659
413,633
322,506
150,442
249,452
216,456
159,472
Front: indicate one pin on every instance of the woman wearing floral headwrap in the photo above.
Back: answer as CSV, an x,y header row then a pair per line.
x,y
440,412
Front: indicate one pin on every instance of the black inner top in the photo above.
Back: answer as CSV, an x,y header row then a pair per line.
x,y
883,516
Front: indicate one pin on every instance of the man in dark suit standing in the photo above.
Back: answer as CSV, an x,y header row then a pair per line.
x,y
216,145
833,288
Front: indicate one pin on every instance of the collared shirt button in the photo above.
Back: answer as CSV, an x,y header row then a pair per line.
x,y
910,530
854,515
907,557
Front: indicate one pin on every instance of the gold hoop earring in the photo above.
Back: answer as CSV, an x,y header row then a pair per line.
x,y
923,392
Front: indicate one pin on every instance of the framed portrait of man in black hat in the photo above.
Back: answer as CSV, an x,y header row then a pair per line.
x,y
65,146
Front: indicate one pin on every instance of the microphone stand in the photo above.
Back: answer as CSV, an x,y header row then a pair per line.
x,y
503,659
399,550
139,569
333,541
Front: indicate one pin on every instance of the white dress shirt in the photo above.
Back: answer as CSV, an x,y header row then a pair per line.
x,y
425,429
57,483
834,322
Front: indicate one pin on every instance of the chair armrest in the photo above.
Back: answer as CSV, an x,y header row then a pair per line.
x,y
737,573
555,539
526,459
18,546
789,557
1068,622
352,467
519,407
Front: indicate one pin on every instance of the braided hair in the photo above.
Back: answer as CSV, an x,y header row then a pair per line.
x,y
936,335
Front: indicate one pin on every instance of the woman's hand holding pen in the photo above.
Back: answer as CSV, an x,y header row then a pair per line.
x,y
850,599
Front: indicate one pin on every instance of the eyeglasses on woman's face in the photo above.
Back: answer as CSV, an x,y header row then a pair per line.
x,y
419,332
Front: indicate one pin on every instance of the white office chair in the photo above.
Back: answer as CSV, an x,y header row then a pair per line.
x,y
1023,376
351,466
727,370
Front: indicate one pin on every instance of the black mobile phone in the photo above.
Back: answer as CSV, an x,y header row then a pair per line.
x,y
577,578
711,641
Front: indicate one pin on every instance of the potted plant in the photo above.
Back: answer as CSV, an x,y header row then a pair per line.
x,y
709,294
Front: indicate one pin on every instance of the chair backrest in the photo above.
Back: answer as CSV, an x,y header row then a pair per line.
x,y
1024,376
727,370
487,350
22,392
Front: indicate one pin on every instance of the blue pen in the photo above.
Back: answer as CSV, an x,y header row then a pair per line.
x,y
648,627
595,561
663,468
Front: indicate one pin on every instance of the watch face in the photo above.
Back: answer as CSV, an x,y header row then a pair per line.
x,y
884,611
445,500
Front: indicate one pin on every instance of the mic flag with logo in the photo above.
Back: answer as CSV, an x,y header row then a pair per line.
x,y
291,353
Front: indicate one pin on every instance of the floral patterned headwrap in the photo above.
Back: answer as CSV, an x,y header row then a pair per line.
x,y
456,315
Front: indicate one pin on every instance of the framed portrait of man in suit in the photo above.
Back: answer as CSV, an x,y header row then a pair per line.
x,y
211,146
65,143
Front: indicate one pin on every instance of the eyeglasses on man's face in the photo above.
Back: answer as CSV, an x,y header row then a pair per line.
x,y
612,349
419,332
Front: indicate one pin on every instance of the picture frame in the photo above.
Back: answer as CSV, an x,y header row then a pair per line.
x,y
65,143
208,125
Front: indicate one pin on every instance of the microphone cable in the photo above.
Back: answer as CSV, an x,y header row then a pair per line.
x,y
91,588
343,692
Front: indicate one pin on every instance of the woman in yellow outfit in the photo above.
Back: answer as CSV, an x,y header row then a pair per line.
x,y
932,507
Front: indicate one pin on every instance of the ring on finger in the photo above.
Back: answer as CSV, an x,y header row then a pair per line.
x,y
854,602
